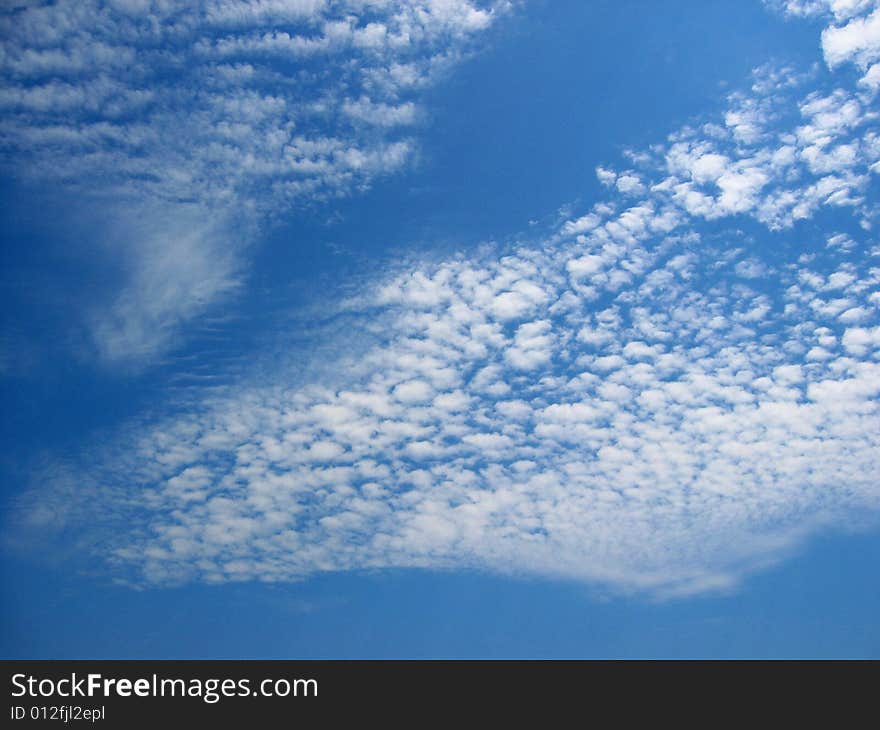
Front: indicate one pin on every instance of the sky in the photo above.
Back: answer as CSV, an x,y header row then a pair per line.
x,y
440,328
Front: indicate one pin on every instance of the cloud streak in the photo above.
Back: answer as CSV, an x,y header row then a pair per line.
x,y
228,112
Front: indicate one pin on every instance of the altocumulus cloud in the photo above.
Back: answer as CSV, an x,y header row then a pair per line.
x,y
190,125
665,393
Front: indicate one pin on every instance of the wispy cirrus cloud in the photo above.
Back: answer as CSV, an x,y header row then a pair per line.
x,y
662,395
202,121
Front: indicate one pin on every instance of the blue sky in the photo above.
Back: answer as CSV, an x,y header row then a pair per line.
x,y
440,328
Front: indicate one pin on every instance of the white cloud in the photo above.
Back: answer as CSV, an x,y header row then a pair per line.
x,y
861,341
858,40
618,403
413,391
173,107
853,37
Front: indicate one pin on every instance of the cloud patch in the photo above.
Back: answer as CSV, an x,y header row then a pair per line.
x,y
228,112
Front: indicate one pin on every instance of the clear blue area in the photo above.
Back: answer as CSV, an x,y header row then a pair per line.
x,y
822,604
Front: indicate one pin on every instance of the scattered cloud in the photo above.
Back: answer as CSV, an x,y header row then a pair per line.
x,y
227,112
644,398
